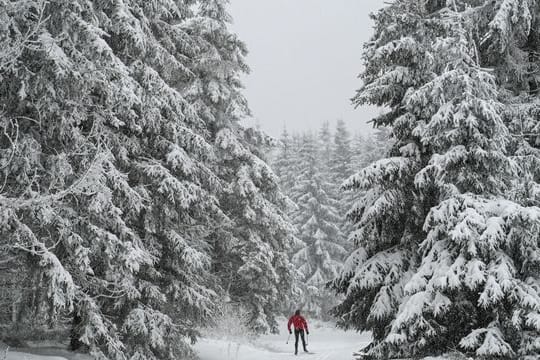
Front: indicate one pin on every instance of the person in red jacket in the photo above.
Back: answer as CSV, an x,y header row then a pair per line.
x,y
300,325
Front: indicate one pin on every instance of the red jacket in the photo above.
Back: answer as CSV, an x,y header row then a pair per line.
x,y
299,323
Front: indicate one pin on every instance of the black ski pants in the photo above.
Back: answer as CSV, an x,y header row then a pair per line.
x,y
297,333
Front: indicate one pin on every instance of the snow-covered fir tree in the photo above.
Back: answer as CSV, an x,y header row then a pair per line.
x,y
446,235
340,170
250,252
365,150
331,161
341,158
119,155
92,97
285,163
318,223
286,167
326,147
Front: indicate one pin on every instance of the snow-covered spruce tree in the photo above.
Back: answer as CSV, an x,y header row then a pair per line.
x,y
89,95
249,253
513,51
326,146
446,249
174,169
325,153
388,216
57,200
285,162
317,220
340,170
341,153
285,166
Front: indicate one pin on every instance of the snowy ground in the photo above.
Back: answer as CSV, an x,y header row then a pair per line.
x,y
15,355
42,354
40,351
325,343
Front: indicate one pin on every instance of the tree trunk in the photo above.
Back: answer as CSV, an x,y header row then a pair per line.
x,y
75,335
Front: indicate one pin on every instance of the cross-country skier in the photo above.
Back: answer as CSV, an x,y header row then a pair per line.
x,y
300,325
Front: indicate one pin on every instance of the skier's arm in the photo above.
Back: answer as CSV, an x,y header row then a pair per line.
x,y
305,325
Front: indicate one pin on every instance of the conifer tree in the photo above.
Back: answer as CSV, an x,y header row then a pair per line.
x,y
250,251
285,164
340,170
326,146
444,247
114,172
317,220
341,153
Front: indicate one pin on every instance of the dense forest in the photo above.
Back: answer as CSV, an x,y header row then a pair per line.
x,y
311,168
132,202
135,207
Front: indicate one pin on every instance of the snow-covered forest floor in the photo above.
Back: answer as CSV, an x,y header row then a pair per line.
x,y
43,352
325,342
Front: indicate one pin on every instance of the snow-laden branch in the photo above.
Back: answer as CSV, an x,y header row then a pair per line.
x,y
9,54
18,203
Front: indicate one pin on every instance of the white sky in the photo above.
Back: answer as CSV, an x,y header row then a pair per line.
x,y
305,56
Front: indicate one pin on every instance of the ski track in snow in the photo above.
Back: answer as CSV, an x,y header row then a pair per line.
x,y
325,343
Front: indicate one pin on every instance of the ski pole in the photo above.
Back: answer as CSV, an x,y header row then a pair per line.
x,y
307,339
288,337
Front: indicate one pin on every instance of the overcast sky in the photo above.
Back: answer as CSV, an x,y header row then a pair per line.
x,y
305,56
